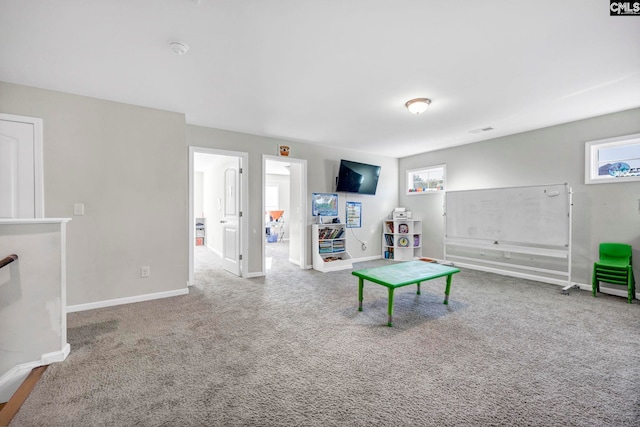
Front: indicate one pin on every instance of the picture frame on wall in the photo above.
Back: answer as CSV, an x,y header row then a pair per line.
x,y
354,214
283,150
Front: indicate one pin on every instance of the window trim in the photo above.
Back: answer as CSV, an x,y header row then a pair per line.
x,y
591,159
426,169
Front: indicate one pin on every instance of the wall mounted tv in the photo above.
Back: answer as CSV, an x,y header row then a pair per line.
x,y
355,177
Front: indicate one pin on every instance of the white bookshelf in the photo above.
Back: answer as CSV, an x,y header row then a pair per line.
x,y
329,247
201,231
402,239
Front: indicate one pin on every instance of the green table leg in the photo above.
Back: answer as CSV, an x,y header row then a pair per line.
x,y
390,323
360,286
446,291
418,293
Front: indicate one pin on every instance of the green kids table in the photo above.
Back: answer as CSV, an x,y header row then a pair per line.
x,y
401,274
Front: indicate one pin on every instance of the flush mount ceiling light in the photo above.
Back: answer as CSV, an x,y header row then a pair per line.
x,y
418,105
179,48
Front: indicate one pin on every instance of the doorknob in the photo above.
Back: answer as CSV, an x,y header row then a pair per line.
x,y
222,221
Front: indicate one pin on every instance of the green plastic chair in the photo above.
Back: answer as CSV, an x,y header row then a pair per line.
x,y
614,267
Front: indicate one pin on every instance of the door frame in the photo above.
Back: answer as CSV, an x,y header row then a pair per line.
x,y
304,232
37,158
243,224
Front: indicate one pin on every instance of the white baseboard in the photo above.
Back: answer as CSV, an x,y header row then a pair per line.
x,y
126,300
366,258
254,274
14,377
559,282
519,275
56,356
609,291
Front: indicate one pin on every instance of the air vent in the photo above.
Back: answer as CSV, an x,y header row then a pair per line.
x,y
486,129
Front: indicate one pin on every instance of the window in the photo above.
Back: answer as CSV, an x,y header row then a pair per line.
x,y
613,160
271,197
426,180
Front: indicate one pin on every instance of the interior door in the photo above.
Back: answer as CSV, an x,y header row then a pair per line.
x,y
18,168
230,222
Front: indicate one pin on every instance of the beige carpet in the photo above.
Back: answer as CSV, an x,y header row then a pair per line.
x,y
291,349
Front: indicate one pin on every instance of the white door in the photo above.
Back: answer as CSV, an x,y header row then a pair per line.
x,y
230,221
20,167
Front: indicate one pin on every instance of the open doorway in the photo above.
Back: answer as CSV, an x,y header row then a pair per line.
x,y
284,203
217,198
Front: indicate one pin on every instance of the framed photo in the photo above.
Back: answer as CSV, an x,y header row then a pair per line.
x,y
612,160
324,204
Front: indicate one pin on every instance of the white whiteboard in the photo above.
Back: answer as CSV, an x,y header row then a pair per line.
x,y
536,215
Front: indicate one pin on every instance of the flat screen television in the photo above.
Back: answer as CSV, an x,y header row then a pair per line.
x,y
324,204
355,177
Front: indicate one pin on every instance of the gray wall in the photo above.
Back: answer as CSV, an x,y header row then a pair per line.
x,y
128,165
601,212
322,169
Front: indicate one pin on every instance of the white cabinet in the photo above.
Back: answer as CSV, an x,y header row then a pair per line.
x,y
330,247
402,239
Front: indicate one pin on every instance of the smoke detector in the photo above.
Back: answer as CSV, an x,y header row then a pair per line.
x,y
179,48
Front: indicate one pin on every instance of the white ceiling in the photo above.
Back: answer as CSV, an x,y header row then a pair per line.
x,y
335,72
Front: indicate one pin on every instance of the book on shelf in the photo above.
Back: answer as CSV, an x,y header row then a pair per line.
x,y
389,239
339,246
330,233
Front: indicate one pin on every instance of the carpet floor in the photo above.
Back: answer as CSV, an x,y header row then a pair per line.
x,y
291,349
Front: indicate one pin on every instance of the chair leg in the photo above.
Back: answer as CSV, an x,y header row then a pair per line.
x,y
594,282
631,284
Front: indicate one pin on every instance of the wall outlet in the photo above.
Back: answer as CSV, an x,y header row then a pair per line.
x,y
364,246
145,271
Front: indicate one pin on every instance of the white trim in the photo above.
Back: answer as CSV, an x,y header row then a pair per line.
x,y
244,206
256,274
63,289
304,232
14,377
367,258
14,221
55,356
609,291
37,158
559,282
126,300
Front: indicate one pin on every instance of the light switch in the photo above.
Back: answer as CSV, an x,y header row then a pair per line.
x,y
78,209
